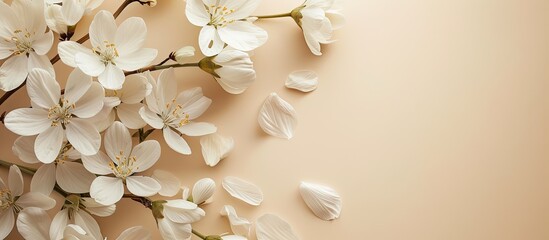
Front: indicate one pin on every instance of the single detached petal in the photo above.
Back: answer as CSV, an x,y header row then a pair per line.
x,y
305,81
27,121
135,233
142,186
277,117
83,136
239,226
243,190
325,202
43,181
169,183
15,181
215,147
73,177
98,209
272,227
181,211
34,223
176,142
107,190
203,190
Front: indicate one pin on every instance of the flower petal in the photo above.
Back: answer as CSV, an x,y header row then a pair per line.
x,y
36,199
118,141
272,227
169,183
98,209
59,223
40,62
325,202
203,190
68,50
146,154
193,102
243,190
91,103
142,186
89,63
75,232
181,211
34,223
151,118
7,220
131,35
243,35
239,226
23,148
43,181
77,85
129,115
277,117
215,147
107,190
210,42
43,43
88,223
43,90
166,86
305,81
102,29
135,233
98,163
73,11
73,177
197,13
173,231
13,72
48,144
196,129
137,59
15,181
135,89
27,121
176,142
83,136
112,78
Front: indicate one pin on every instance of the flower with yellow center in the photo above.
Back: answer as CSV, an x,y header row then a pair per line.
x,y
174,113
122,162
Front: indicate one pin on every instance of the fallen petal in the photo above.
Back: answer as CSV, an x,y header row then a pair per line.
x,y
243,190
203,190
304,80
277,117
272,227
239,226
215,147
325,202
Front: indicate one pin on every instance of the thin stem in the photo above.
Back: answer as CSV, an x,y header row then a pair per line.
x,y
157,67
164,61
23,169
200,235
275,16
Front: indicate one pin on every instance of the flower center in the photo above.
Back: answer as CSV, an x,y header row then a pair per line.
x,y
22,41
174,116
218,14
61,113
6,199
124,166
108,53
62,156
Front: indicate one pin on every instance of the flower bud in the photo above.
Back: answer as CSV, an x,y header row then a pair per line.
x,y
183,53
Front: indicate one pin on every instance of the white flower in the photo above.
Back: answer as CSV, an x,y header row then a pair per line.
x,y
122,161
224,22
75,232
12,200
174,113
24,42
174,218
232,69
202,192
125,103
64,14
318,19
54,116
76,211
181,55
114,50
71,176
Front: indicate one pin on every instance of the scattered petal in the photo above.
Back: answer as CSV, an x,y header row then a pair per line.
x,y
272,227
325,202
277,117
203,190
243,190
305,81
215,147
239,226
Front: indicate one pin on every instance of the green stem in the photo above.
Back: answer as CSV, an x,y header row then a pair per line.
x,y
275,16
23,169
200,235
156,68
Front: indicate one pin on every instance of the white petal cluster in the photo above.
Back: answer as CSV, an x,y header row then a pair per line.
x,y
24,42
223,22
63,15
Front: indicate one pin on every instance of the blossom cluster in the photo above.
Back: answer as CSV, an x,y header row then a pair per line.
x,y
112,96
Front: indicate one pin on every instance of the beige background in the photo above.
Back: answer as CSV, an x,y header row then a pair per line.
x,y
431,119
